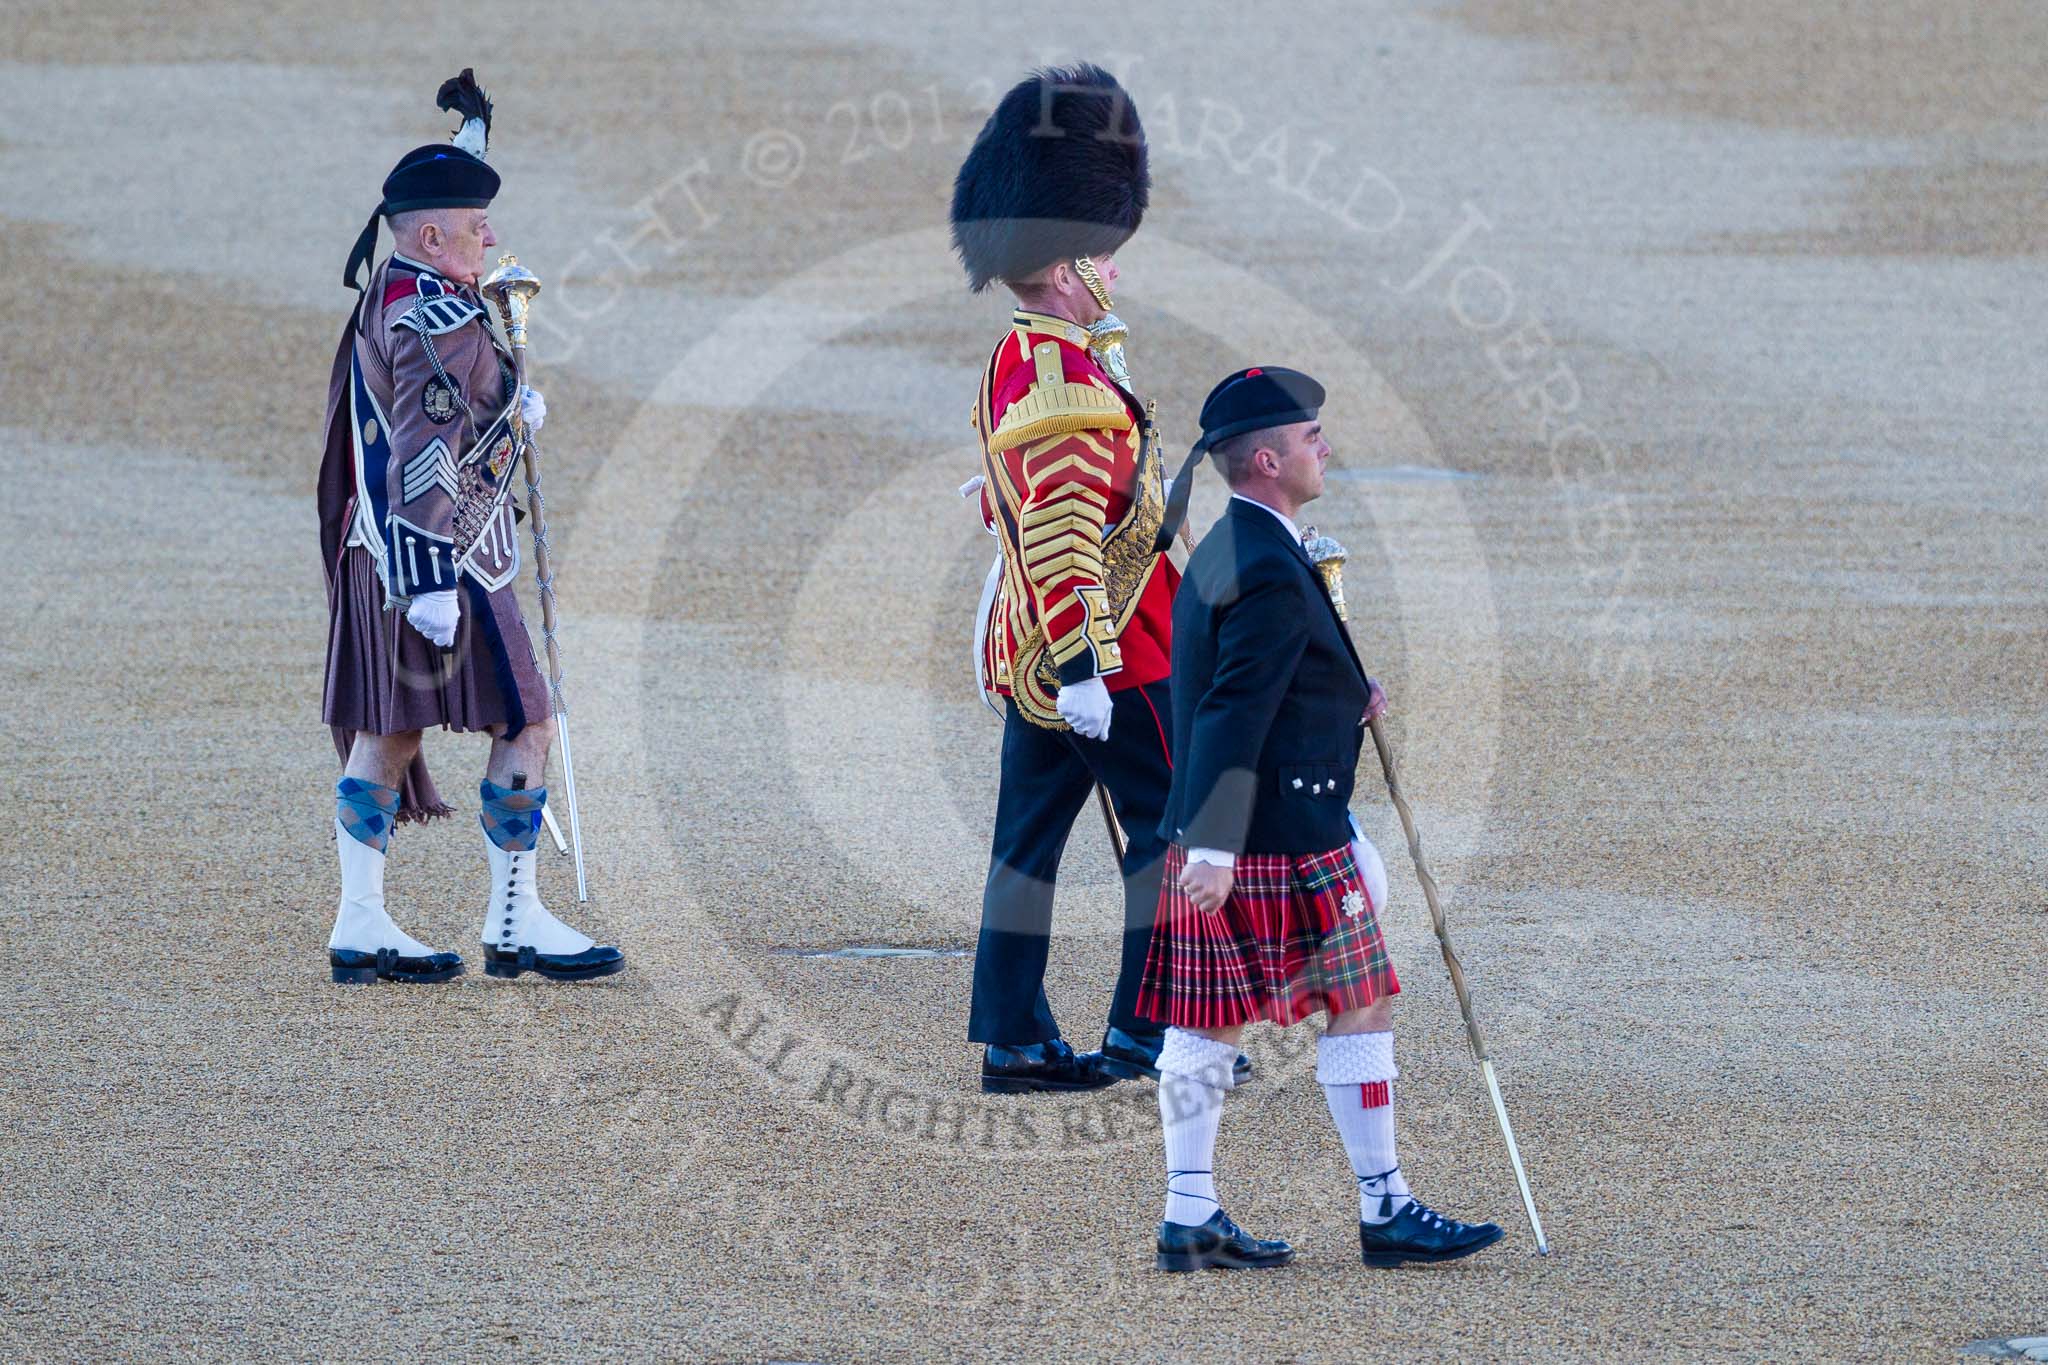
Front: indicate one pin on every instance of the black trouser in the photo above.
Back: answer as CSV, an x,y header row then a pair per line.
x,y
1047,777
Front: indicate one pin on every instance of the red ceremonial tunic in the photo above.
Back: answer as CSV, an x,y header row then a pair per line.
x,y
1075,495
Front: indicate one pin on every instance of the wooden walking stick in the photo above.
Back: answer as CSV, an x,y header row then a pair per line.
x,y
1328,557
511,288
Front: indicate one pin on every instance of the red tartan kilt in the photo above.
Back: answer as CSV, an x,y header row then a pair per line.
x,y
1281,948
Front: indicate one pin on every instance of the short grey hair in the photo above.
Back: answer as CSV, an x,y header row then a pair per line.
x,y
405,227
1233,454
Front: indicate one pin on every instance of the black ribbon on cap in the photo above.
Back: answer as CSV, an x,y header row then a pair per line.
x,y
1177,498
365,251
1184,482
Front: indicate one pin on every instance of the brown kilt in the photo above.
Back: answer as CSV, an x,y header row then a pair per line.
x,y
1280,948
384,677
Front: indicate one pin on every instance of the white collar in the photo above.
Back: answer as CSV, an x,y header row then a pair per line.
x,y
1292,534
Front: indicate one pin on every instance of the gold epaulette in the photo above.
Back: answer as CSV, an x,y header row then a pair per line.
x,y
1055,409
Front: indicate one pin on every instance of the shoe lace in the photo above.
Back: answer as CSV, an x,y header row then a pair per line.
x,y
1171,1176
1430,1217
1376,1186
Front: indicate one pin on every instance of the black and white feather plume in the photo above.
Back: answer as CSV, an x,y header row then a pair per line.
x,y
462,95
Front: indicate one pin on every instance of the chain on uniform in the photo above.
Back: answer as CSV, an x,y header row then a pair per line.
x,y
537,509
419,317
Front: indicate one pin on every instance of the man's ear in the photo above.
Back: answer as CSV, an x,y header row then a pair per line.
x,y
430,236
1061,277
1268,461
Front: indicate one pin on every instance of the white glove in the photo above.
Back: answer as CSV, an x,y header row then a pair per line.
x,y
434,614
1370,867
970,492
1085,706
533,409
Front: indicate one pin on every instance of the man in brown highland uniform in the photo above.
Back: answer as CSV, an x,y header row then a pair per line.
x,y
419,537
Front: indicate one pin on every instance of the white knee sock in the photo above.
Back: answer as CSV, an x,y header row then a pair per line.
x,y
1357,1072
1194,1073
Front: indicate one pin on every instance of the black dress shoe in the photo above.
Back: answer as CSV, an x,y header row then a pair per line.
x,y
357,966
1128,1056
598,960
1218,1243
1051,1065
1418,1233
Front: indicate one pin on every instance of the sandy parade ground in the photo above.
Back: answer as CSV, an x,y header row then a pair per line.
x,y
1684,366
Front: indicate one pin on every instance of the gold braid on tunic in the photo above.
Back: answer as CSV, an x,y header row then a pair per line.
x,y
1128,558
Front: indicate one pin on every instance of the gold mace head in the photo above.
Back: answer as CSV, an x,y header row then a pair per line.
x,y
1106,338
1328,557
510,288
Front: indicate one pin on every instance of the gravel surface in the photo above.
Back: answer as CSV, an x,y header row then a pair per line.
x,y
1685,392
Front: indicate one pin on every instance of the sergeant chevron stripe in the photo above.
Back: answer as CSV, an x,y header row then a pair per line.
x,y
433,467
1080,526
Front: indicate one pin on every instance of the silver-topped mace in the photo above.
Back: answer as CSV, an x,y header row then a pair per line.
x,y
511,288
1328,557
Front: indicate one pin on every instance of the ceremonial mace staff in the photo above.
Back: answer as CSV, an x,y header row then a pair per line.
x,y
1328,557
511,288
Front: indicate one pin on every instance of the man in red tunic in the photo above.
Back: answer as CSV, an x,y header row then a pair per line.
x,y
1075,636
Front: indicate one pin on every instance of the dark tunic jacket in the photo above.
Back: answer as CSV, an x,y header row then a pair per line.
x,y
1268,697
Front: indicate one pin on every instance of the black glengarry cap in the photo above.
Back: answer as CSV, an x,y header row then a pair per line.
x,y
448,175
1250,400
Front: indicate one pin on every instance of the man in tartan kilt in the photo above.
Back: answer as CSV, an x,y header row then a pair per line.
x,y
1269,907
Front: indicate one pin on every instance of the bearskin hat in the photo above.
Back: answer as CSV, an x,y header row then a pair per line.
x,y
1059,171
